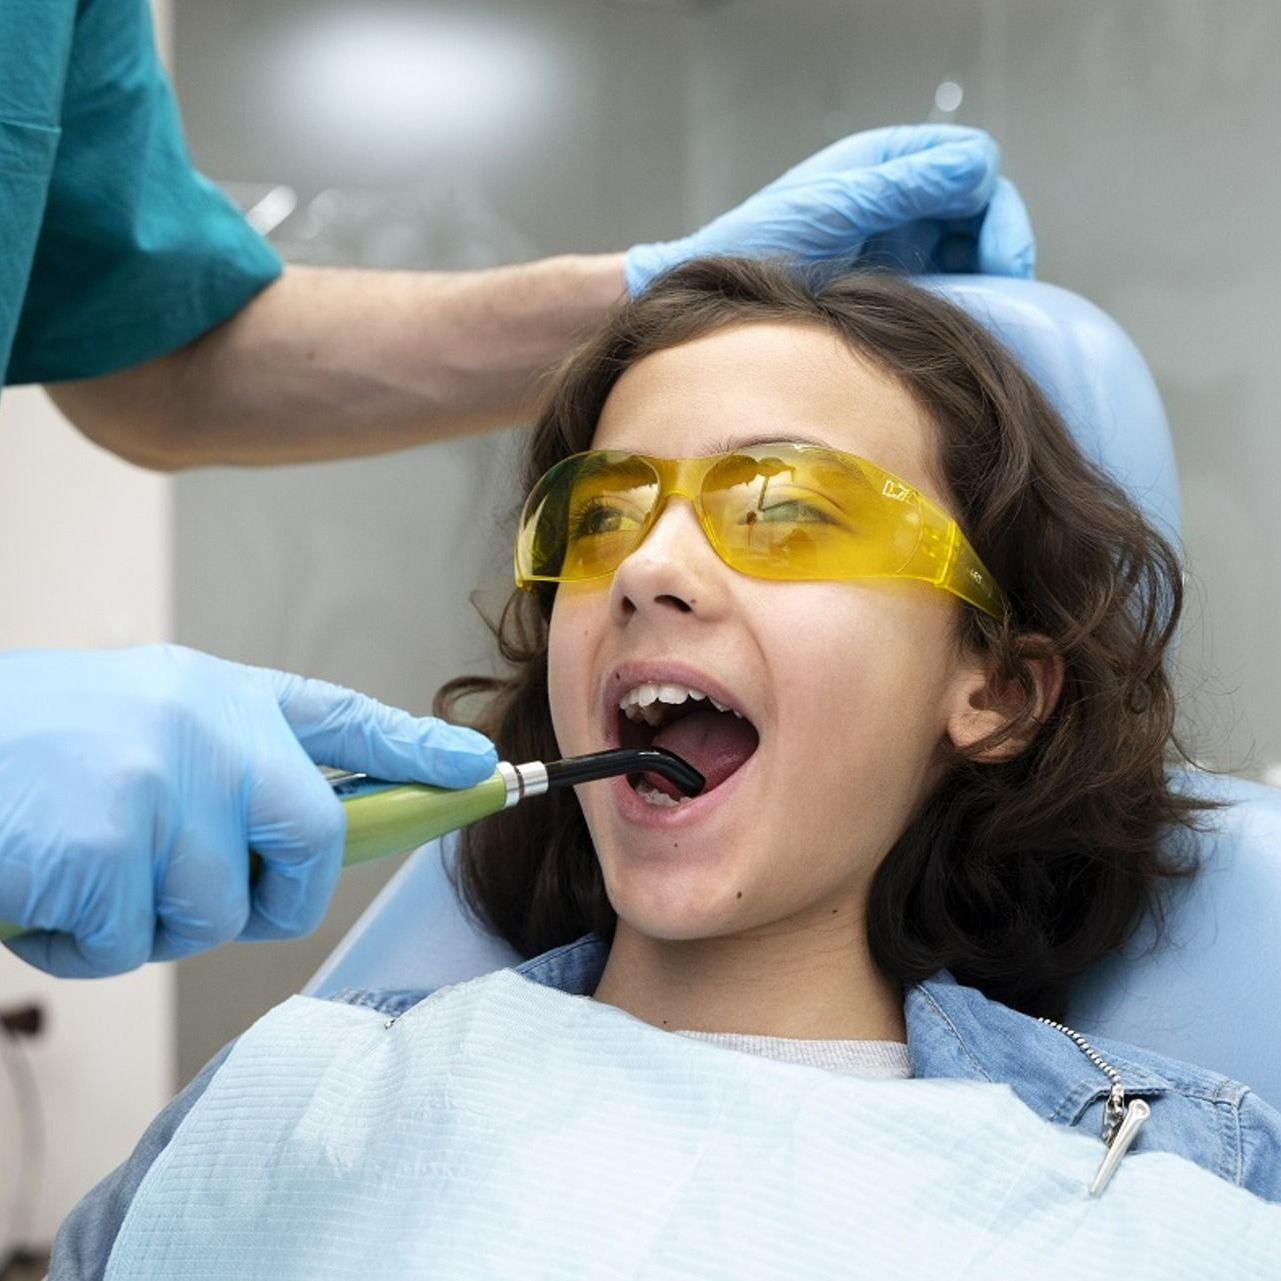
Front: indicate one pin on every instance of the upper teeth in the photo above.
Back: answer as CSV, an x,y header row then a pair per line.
x,y
640,703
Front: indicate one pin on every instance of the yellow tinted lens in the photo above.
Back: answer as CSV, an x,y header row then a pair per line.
x,y
805,513
584,516
605,520
785,511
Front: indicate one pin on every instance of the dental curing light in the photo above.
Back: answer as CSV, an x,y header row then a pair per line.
x,y
391,818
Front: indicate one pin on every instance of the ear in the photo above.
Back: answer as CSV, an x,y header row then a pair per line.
x,y
988,704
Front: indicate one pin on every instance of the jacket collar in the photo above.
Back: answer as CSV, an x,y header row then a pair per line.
x,y
956,1031
952,1031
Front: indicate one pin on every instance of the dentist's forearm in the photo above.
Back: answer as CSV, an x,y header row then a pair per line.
x,y
330,363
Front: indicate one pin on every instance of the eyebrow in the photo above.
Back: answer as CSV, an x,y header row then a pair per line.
x,y
726,446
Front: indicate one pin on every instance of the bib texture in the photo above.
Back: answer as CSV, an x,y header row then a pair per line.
x,y
504,1129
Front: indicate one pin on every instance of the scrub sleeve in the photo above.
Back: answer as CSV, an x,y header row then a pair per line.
x,y
113,249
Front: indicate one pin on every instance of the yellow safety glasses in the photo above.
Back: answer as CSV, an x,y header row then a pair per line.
x,y
783,511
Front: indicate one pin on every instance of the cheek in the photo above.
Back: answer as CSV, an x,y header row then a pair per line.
x,y
860,682
569,665
862,671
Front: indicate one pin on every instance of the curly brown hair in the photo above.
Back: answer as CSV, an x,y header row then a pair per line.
x,y
1017,875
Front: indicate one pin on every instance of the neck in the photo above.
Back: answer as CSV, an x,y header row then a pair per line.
x,y
809,984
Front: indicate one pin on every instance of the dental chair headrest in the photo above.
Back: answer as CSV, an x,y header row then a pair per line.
x,y
1091,373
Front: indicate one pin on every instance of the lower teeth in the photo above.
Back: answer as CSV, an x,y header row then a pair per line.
x,y
648,792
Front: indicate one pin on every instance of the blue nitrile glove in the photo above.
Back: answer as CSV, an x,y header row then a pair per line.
x,y
134,783
919,198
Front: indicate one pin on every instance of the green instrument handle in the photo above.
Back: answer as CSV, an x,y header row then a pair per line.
x,y
395,819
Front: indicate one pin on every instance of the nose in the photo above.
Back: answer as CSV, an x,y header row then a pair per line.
x,y
675,569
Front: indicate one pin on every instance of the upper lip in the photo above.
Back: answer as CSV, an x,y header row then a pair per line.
x,y
640,671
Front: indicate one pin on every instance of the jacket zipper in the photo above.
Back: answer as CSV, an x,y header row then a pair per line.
x,y
1121,1119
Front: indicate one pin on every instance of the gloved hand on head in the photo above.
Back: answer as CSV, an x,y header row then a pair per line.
x,y
918,198
134,783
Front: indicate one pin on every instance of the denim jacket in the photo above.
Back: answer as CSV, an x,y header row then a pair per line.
x,y
952,1031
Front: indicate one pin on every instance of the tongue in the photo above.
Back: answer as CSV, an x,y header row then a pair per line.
x,y
714,743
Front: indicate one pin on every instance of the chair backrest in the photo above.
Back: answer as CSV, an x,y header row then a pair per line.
x,y
1207,994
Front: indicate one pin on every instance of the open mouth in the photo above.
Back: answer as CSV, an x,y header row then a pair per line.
x,y
715,738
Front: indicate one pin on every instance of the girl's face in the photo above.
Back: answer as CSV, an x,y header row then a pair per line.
x,y
852,688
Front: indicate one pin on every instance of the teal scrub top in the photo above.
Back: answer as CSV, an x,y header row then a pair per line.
x,y
112,248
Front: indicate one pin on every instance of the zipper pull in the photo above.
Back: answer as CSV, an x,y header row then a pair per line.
x,y
1119,1143
1113,1111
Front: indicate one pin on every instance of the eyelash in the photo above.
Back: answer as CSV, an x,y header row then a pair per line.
x,y
584,516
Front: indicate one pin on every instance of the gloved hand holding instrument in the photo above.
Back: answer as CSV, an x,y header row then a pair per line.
x,y
133,783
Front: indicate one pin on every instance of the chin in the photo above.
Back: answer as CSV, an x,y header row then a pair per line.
x,y
672,918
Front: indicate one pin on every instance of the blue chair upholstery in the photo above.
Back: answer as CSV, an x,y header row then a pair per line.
x,y
414,934
1207,994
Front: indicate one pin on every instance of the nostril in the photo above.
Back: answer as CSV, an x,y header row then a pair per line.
x,y
668,599
629,607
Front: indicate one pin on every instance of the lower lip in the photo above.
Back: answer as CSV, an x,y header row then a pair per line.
x,y
685,814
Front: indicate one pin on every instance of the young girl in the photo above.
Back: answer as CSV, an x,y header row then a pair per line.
x,y
835,549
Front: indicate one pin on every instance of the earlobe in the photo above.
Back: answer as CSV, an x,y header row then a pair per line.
x,y
996,715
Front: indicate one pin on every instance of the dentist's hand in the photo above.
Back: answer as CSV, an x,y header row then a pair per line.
x,y
920,198
134,783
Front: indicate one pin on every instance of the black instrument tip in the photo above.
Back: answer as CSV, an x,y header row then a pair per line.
x,y
626,760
